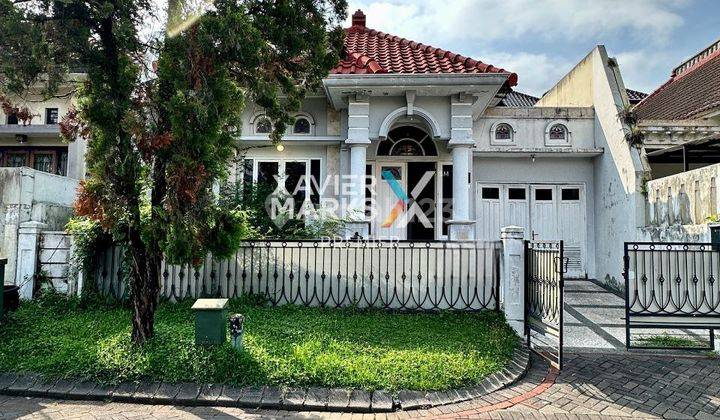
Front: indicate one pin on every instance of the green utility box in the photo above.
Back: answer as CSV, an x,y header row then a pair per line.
x,y
211,321
3,262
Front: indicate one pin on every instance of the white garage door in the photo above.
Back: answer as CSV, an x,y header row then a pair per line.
x,y
547,212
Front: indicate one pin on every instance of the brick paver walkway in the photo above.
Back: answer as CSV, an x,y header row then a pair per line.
x,y
591,386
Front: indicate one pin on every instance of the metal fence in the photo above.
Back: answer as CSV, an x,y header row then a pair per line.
x,y
672,285
402,275
545,265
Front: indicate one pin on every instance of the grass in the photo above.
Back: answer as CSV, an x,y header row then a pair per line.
x,y
667,341
61,338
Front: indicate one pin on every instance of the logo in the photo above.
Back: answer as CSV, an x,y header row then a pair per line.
x,y
404,200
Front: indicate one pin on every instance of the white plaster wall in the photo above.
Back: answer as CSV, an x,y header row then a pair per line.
x,y
25,195
530,124
551,170
618,173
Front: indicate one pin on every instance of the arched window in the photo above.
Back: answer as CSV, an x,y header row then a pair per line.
x,y
263,126
407,141
503,132
302,126
558,132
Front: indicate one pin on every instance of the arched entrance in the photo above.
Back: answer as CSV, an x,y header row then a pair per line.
x,y
409,189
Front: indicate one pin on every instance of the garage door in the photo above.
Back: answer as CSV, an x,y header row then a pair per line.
x,y
547,212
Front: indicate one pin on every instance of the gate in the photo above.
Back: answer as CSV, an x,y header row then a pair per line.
x,y
544,269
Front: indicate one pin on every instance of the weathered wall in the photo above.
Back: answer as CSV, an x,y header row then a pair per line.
x,y
688,198
25,195
618,172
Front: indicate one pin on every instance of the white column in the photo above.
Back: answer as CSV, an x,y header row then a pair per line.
x,y
462,225
358,140
512,277
27,256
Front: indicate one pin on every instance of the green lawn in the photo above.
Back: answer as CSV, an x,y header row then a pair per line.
x,y
284,346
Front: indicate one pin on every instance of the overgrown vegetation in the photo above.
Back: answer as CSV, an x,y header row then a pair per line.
x,y
634,135
61,337
162,114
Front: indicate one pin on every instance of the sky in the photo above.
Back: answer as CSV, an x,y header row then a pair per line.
x,y
541,40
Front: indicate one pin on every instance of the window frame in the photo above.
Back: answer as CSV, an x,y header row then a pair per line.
x,y
494,141
47,115
558,142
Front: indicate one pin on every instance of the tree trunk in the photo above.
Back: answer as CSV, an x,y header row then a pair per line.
x,y
144,287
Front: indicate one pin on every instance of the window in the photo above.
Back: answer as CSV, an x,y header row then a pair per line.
x,y
263,126
516,193
51,115
503,132
16,159
570,194
12,119
543,194
43,161
407,141
491,193
558,132
302,126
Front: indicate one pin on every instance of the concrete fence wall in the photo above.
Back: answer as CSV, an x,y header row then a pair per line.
x,y
30,202
688,198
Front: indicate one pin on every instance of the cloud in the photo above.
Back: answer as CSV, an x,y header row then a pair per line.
x,y
489,20
536,72
639,66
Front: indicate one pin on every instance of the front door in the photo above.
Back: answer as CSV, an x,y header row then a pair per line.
x,y
421,187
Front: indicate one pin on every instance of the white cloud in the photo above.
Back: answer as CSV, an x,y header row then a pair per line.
x,y
488,20
536,72
639,67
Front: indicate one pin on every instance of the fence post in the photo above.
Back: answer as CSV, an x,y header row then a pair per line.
x,y
512,277
27,257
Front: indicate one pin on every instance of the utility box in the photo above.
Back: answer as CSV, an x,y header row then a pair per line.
x,y
3,263
211,321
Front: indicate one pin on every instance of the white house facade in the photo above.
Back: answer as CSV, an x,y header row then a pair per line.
x,y
394,106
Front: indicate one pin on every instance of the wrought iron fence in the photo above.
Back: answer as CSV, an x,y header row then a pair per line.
x,y
402,275
673,285
545,265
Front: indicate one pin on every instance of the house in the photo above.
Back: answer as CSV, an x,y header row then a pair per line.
x,y
412,142
684,109
32,138
448,135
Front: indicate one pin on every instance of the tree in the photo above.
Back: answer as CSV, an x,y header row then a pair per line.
x,y
160,139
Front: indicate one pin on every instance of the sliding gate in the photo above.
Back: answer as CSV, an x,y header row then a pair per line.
x,y
544,269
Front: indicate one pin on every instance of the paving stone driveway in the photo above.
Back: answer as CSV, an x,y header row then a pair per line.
x,y
591,386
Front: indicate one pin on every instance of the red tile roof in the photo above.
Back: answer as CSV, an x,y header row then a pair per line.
x,y
693,89
369,52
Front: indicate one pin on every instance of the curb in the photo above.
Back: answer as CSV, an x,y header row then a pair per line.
x,y
264,397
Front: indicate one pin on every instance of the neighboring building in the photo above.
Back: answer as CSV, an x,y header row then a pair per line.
x,y
36,143
681,125
684,109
